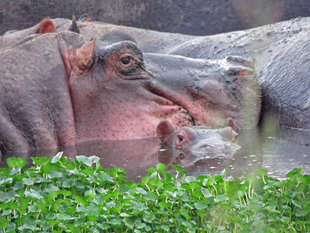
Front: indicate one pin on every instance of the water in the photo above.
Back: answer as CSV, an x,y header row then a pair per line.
x,y
276,153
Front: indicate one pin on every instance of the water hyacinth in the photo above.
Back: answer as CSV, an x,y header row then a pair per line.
x,y
62,195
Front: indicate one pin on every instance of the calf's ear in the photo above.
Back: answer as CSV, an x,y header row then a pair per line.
x,y
163,130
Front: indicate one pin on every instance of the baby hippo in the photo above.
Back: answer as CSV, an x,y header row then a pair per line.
x,y
190,144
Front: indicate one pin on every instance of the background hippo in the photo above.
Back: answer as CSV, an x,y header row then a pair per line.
x,y
195,17
187,145
58,89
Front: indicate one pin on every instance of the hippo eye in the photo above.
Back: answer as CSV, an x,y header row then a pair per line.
x,y
181,156
180,137
125,60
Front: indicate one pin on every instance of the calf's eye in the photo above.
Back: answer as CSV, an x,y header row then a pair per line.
x,y
180,137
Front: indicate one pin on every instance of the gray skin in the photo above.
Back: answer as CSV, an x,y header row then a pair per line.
x,y
188,145
49,101
279,52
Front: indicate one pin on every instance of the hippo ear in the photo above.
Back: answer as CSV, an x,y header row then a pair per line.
x,y
229,133
85,55
74,27
46,26
230,122
164,129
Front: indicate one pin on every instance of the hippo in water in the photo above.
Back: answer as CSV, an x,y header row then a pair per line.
x,y
279,52
59,89
187,145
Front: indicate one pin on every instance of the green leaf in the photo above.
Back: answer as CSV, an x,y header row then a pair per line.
x,y
200,205
4,222
151,170
185,213
125,215
16,162
4,180
55,174
68,183
221,198
57,157
64,217
99,199
41,161
91,194
28,181
11,227
161,168
33,193
206,193
149,218
106,177
130,222
51,188
84,159
295,173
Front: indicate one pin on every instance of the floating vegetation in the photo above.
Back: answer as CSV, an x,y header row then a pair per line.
x,y
62,195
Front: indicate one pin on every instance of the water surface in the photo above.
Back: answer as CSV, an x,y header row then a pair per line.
x,y
277,153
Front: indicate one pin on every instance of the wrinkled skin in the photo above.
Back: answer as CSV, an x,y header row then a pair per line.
x,y
59,89
188,145
119,98
279,52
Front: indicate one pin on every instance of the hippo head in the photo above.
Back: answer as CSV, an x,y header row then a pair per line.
x,y
115,96
190,144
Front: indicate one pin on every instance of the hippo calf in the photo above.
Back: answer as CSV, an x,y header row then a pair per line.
x,y
188,145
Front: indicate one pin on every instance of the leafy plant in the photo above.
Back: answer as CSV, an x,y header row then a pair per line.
x,y
62,195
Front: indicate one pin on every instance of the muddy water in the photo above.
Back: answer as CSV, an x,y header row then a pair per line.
x,y
277,153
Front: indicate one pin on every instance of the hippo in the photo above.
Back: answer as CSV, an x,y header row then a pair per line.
x,y
187,145
194,17
60,89
278,52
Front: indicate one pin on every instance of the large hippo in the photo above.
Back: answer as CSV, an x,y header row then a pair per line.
x,y
59,89
279,51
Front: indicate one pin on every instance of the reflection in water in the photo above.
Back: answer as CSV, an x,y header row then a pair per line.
x,y
289,150
277,155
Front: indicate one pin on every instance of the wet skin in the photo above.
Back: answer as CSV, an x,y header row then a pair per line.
x,y
59,90
118,98
277,49
188,145
279,52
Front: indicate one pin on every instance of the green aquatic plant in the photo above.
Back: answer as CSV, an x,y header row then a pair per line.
x,y
62,195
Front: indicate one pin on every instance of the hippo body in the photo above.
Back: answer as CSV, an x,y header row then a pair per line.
x,y
33,85
59,89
